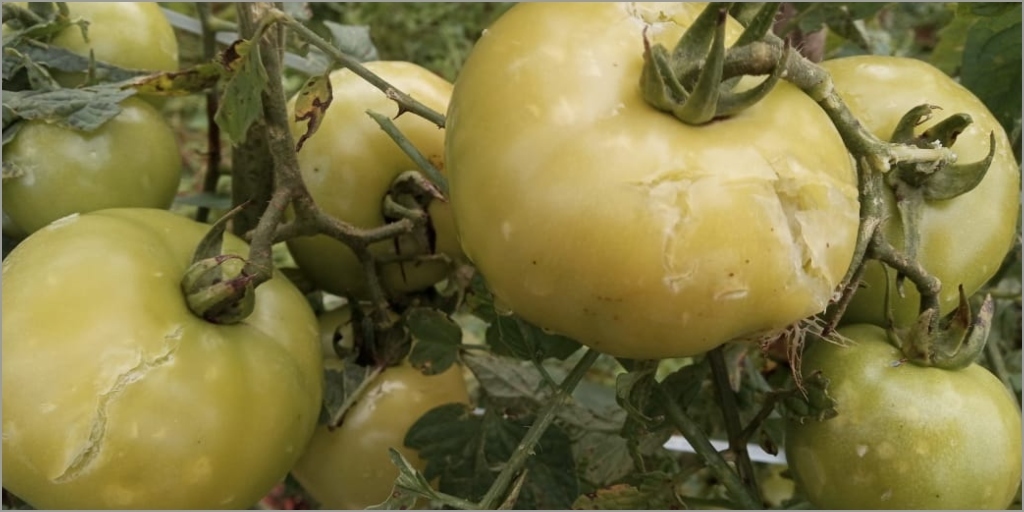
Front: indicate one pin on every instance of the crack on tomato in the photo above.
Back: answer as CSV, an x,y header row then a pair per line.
x,y
93,445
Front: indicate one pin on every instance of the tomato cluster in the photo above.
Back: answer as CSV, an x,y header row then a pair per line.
x,y
589,212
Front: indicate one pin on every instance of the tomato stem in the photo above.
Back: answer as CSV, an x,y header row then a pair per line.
x,y
716,463
730,413
405,102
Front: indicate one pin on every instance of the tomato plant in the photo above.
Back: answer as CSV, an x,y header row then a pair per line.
x,y
349,467
130,161
131,35
597,216
350,163
963,240
906,436
132,401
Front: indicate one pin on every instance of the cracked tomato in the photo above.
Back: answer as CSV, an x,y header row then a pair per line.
x,y
349,467
592,214
349,165
116,396
906,436
964,239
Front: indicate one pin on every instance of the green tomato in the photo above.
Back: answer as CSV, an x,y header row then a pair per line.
x,y
130,161
594,215
116,396
906,436
349,165
349,467
130,35
964,239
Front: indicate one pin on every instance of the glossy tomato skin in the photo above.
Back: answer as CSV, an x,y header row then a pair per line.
x,y
132,160
130,35
906,437
116,396
594,215
349,165
964,239
349,467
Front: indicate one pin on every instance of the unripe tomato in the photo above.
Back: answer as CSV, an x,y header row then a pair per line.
x,y
116,396
130,35
130,161
349,165
349,467
906,436
595,215
964,239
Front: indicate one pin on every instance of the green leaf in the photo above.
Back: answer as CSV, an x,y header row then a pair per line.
x,y
18,54
209,200
515,337
657,491
82,109
466,453
437,340
991,63
242,103
840,18
409,485
353,40
339,384
948,52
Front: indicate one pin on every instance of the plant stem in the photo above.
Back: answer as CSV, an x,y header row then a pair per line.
x,y
696,437
410,150
731,414
544,419
405,102
213,148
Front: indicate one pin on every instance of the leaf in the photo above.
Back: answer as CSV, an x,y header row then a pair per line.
x,y
437,340
311,105
515,337
17,55
839,18
602,458
82,109
198,78
339,384
991,64
466,452
656,491
409,485
948,52
242,102
353,40
209,200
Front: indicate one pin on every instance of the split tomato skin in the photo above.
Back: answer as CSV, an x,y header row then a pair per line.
x,y
115,395
906,436
594,215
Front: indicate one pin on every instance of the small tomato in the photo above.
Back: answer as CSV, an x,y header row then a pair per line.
x,y
906,436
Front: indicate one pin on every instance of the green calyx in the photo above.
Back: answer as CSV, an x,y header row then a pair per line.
x,y
914,184
217,287
952,343
709,95
218,291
